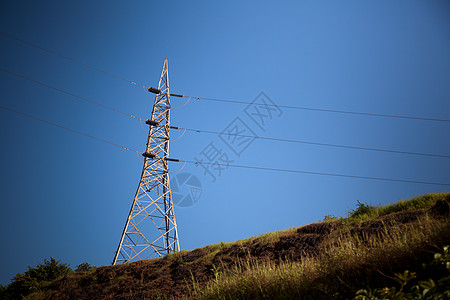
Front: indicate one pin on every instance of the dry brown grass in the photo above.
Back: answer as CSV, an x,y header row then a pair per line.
x,y
318,261
333,274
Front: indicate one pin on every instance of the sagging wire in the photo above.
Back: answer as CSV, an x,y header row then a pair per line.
x,y
180,135
184,164
189,99
69,58
139,157
140,122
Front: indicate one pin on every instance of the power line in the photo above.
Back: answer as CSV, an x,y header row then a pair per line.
x,y
67,128
69,93
233,101
68,58
316,173
318,109
231,134
228,165
313,143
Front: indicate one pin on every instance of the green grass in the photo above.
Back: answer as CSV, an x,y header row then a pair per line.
x,y
176,255
364,250
266,238
348,263
419,202
366,212
331,274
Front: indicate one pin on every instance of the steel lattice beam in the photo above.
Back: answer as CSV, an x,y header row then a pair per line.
x,y
151,229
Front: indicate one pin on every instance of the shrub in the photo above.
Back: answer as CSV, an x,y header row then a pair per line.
x,y
34,279
329,218
84,267
361,210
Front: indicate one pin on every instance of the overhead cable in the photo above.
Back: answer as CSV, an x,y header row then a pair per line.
x,y
67,128
317,109
228,165
316,173
235,101
71,59
311,143
231,134
69,93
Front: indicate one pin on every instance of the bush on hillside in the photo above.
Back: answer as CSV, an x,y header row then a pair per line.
x,y
34,279
361,209
84,267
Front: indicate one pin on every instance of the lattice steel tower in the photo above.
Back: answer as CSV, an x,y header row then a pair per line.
x,y
151,230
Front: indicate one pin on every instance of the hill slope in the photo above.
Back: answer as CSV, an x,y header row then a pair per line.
x,y
330,259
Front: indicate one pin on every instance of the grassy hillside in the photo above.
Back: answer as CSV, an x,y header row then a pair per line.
x,y
332,259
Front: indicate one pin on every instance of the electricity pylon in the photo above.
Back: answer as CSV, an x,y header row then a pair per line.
x,y
151,230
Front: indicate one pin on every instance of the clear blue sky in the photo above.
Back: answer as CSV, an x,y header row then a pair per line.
x,y
67,196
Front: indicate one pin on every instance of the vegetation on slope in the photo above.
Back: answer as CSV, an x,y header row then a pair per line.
x,y
331,259
36,279
367,249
